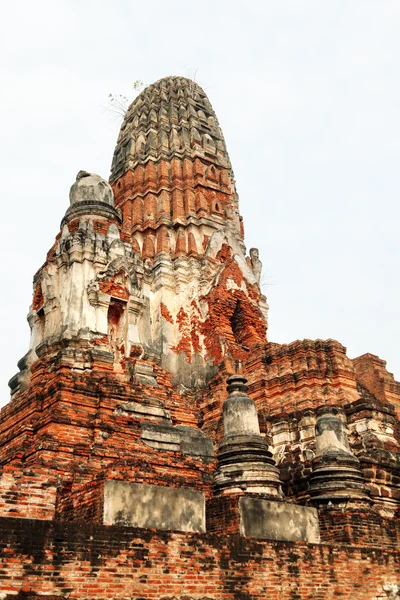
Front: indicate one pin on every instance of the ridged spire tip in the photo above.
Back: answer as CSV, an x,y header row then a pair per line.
x,y
171,118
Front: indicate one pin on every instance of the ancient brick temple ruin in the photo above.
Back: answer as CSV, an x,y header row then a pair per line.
x,y
156,445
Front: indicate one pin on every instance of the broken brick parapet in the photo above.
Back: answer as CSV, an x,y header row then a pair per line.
x,y
372,374
305,374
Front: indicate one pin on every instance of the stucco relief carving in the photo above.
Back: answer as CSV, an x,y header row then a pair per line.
x,y
121,273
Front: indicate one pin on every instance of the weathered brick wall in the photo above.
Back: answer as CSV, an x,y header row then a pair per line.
x,y
27,494
94,562
286,379
222,514
359,527
71,425
83,504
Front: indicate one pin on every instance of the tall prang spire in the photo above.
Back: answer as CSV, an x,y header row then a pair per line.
x,y
171,164
173,183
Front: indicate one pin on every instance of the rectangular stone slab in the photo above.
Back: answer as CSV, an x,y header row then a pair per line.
x,y
153,506
265,519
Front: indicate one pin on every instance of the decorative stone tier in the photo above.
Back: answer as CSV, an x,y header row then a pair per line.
x,y
99,209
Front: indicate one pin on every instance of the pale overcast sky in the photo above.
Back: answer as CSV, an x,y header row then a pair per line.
x,y
308,95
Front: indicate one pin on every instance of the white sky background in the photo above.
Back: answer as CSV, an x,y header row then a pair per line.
x,y
308,95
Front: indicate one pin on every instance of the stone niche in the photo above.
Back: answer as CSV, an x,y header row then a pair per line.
x,y
265,519
153,506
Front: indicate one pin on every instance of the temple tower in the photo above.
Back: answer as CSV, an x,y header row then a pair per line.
x,y
121,448
147,302
174,185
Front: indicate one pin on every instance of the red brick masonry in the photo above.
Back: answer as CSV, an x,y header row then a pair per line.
x,y
58,560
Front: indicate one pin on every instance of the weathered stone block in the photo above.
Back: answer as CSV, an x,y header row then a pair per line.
x,y
265,519
152,506
187,440
154,411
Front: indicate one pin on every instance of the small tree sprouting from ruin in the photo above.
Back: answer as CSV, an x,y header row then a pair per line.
x,y
118,103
